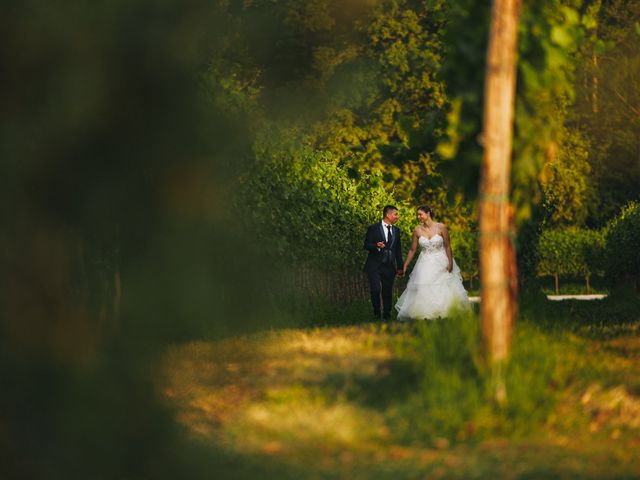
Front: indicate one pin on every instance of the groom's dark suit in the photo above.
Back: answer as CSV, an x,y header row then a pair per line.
x,y
381,266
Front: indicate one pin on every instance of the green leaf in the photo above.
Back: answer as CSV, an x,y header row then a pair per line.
x,y
561,36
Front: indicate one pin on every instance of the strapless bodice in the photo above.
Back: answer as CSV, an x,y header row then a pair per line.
x,y
431,245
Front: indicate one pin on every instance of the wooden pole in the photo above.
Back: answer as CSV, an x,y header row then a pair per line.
x,y
497,306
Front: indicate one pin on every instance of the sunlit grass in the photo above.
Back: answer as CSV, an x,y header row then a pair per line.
x,y
378,401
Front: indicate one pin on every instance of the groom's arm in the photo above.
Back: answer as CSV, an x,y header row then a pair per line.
x,y
370,243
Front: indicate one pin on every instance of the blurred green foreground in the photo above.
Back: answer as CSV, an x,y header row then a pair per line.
x,y
115,236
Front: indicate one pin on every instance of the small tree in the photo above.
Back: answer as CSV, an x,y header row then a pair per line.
x,y
570,251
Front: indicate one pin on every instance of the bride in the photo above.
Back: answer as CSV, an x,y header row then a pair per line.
x,y
435,285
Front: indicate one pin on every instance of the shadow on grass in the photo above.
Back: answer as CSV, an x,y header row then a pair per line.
x,y
393,382
294,314
399,401
613,316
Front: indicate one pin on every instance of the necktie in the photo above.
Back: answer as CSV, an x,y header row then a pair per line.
x,y
389,238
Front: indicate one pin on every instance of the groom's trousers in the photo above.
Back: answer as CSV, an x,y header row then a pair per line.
x,y
381,283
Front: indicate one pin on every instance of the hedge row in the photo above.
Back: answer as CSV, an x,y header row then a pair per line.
x,y
571,251
464,246
313,214
622,255
613,251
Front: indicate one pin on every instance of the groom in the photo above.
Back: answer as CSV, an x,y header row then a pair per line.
x,y
384,261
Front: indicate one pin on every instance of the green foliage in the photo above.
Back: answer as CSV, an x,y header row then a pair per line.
x,y
464,246
305,204
361,83
111,184
526,244
623,245
552,247
570,251
312,213
564,181
396,87
463,70
574,286
550,33
606,107
403,46
386,101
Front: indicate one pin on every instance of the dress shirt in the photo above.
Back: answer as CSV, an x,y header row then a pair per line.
x,y
386,230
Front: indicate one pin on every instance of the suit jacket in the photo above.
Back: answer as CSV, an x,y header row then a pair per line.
x,y
392,253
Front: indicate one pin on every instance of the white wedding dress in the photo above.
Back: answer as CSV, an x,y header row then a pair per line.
x,y
432,292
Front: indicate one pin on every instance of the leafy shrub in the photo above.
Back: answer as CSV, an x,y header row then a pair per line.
x,y
308,206
571,252
464,245
623,246
311,212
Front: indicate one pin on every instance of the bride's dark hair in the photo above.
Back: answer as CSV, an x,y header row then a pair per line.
x,y
426,209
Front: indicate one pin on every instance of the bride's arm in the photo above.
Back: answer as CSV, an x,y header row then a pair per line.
x,y
412,250
447,247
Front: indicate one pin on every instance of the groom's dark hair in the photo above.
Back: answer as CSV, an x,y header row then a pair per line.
x,y
386,209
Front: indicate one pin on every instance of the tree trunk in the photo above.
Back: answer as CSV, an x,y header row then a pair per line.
x,y
588,286
555,276
498,306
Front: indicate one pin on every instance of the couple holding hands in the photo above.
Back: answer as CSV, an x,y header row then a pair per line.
x,y
435,284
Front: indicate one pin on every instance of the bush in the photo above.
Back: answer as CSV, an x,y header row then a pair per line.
x,y
570,252
312,213
464,245
309,207
623,246
309,214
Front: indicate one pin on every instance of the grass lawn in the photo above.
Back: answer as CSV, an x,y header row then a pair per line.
x,y
411,400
